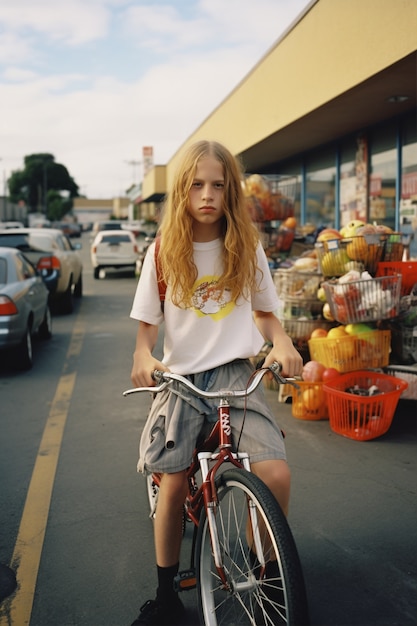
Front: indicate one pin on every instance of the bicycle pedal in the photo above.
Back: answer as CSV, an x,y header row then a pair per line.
x,y
185,580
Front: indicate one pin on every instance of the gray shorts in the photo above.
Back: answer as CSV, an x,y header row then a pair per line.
x,y
177,418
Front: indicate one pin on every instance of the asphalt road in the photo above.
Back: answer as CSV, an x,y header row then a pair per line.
x,y
73,515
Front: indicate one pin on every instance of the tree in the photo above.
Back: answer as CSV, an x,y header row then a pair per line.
x,y
44,186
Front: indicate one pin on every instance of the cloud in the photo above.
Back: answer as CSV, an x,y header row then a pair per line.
x,y
93,82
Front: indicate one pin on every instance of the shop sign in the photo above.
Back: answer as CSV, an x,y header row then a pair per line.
x,y
147,155
409,185
375,185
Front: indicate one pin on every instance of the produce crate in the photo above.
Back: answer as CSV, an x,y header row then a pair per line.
x,y
291,283
354,352
363,417
404,343
407,373
407,270
309,401
368,300
300,330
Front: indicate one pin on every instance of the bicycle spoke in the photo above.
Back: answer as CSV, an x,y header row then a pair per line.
x,y
260,593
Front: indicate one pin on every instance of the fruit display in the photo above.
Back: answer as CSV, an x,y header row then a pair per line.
x,y
357,246
263,203
351,347
358,297
309,401
308,398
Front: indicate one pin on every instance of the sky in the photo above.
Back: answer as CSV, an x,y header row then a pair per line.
x,y
93,81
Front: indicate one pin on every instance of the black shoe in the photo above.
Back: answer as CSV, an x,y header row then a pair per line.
x,y
158,613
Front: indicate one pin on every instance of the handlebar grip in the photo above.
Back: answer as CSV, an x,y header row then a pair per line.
x,y
276,367
158,376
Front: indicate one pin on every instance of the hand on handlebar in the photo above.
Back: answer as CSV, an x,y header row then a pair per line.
x,y
143,369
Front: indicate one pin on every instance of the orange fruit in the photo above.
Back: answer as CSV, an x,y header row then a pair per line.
x,y
313,398
318,333
290,222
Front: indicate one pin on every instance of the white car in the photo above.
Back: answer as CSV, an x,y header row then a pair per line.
x,y
114,249
55,258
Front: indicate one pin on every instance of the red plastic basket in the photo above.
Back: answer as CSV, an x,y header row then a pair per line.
x,y
407,269
363,417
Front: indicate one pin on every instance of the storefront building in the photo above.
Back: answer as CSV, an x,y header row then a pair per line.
x,y
330,113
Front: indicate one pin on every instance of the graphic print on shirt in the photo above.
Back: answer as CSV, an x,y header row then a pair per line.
x,y
208,300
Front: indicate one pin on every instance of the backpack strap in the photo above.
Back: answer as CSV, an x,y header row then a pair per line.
x,y
161,283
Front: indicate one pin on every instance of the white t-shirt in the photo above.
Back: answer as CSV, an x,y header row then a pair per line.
x,y
212,331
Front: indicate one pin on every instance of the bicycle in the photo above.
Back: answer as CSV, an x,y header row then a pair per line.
x,y
244,561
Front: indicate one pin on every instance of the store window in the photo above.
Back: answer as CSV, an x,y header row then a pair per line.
x,y
383,175
320,188
408,199
351,155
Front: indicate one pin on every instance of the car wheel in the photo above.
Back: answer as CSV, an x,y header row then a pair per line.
x,y
66,303
24,354
97,273
45,329
78,288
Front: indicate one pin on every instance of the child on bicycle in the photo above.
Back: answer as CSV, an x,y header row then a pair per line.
x,y
218,311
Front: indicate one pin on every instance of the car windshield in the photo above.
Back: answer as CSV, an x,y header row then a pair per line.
x,y
27,241
112,239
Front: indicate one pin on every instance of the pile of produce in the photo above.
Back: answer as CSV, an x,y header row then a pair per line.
x,y
265,205
357,296
357,246
350,347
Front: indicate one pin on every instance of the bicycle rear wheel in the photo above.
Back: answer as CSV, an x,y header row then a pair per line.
x,y
258,595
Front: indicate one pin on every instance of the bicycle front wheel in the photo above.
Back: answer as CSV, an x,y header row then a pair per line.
x,y
265,585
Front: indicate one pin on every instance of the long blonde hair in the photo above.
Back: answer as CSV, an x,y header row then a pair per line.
x,y
238,232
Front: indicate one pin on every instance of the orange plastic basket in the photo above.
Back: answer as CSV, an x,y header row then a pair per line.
x,y
362,417
362,351
309,401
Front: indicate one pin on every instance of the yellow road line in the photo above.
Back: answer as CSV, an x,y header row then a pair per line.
x,y
28,549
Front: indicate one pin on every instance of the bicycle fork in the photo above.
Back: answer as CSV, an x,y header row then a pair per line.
x,y
210,494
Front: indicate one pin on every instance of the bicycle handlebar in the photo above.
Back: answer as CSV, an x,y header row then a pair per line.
x,y
166,378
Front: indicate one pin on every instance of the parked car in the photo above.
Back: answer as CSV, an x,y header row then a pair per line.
x,y
114,249
24,308
55,257
71,229
12,225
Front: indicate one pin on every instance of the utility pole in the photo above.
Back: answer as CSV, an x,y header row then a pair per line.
x,y
134,163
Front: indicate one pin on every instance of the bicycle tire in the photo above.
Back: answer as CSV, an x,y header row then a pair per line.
x,y
253,600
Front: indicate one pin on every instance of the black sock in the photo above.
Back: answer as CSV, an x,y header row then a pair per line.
x,y
166,577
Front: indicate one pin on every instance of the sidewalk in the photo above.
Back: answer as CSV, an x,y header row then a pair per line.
x,y
353,515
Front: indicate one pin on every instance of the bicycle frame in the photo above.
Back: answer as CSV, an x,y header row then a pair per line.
x,y
206,494
237,541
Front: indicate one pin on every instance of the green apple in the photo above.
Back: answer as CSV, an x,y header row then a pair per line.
x,y
356,329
